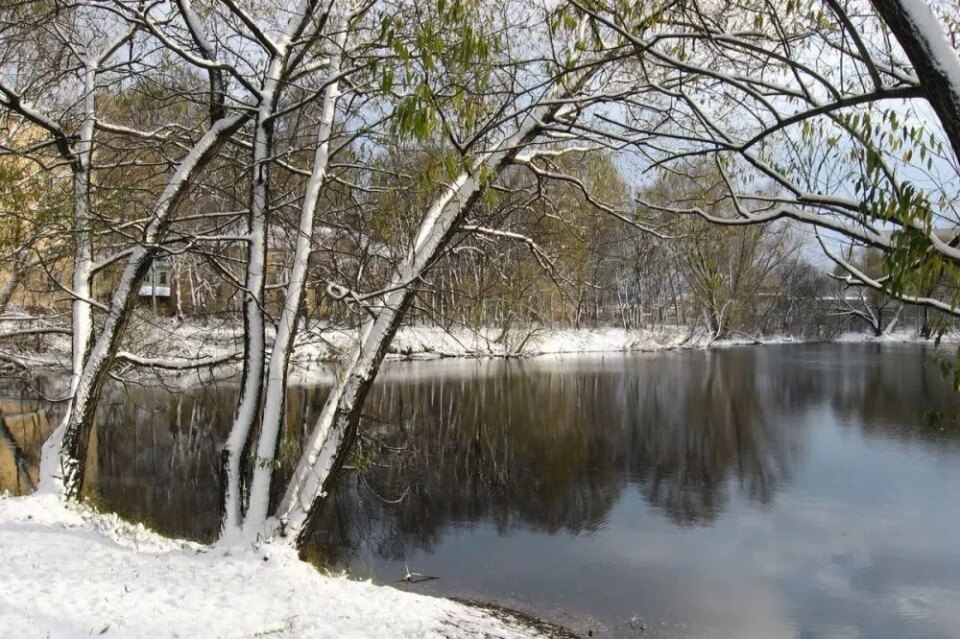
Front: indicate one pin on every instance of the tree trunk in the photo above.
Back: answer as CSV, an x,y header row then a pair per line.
x,y
333,435
232,456
234,453
64,453
276,384
9,286
81,310
934,59
925,323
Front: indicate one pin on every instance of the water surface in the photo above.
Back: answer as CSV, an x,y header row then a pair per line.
x,y
788,491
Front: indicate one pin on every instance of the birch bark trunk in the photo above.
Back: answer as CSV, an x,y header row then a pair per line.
x,y
234,453
81,310
335,429
277,376
64,454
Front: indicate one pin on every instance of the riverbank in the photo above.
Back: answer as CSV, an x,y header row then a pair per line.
x,y
165,340
195,351
71,572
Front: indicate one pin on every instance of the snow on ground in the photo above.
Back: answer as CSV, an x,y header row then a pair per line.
x,y
325,344
425,341
69,572
904,336
169,339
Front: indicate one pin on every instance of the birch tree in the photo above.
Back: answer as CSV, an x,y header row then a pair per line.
x,y
62,465
272,381
515,127
86,46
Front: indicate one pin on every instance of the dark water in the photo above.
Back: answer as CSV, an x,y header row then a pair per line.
x,y
794,491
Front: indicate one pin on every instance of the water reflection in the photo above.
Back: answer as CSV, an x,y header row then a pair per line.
x,y
551,446
747,492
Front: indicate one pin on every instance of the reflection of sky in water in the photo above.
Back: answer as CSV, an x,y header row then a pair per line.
x,y
750,493
855,536
879,558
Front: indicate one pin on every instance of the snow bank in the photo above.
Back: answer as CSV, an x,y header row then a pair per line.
x,y
424,341
165,339
904,337
69,572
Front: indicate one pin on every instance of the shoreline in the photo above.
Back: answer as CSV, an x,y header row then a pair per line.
x,y
72,571
318,349
26,532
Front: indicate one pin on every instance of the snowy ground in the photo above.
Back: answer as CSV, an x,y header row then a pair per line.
x,y
897,337
166,339
69,572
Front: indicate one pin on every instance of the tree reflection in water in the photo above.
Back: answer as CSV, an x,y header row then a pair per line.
x,y
550,451
551,445
545,445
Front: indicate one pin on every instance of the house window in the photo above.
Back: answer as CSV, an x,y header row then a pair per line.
x,y
157,283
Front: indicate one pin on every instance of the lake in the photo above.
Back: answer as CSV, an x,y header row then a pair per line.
x,y
776,491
